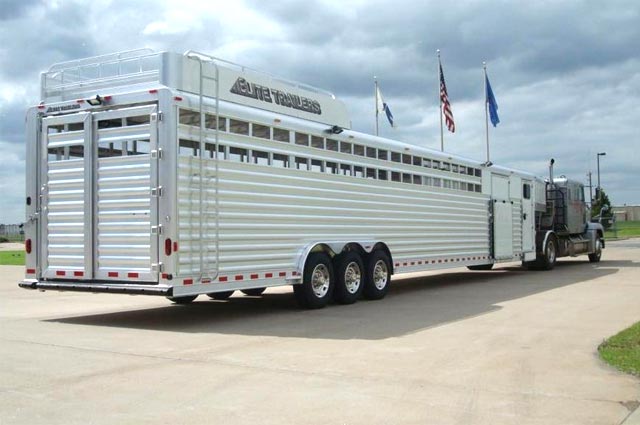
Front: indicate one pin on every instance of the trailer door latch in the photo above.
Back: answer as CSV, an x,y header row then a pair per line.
x,y
156,192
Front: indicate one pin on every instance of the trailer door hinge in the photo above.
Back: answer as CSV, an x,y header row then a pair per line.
x,y
157,153
157,267
157,192
156,230
160,116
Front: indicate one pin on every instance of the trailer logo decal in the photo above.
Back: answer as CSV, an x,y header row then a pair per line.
x,y
245,88
62,108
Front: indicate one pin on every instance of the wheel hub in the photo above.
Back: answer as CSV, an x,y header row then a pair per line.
x,y
380,275
352,277
320,280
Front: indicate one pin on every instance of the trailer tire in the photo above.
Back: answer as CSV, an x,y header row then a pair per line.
x,y
253,292
220,296
547,259
317,285
595,257
349,277
182,300
481,267
377,276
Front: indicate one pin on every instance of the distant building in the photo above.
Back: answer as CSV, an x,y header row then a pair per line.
x,y
627,213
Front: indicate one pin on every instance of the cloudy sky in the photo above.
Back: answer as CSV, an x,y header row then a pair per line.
x,y
566,74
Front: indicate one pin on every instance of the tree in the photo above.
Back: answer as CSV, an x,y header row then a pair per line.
x,y
602,207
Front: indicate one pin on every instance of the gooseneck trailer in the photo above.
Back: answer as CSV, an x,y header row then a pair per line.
x,y
181,174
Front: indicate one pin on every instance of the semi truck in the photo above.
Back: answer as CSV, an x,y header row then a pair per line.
x,y
182,175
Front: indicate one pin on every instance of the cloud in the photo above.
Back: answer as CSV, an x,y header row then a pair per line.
x,y
566,74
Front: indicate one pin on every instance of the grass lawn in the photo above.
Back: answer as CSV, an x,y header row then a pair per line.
x,y
12,258
626,229
622,351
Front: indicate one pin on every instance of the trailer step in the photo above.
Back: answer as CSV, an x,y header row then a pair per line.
x,y
113,288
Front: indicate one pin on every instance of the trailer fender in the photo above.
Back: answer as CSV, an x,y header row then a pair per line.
x,y
547,235
334,248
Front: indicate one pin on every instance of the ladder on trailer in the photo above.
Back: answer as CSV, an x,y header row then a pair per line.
x,y
203,59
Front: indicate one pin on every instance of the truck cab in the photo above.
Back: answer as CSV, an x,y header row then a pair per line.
x,y
562,224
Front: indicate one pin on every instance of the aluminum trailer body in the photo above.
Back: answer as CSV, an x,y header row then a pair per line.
x,y
179,175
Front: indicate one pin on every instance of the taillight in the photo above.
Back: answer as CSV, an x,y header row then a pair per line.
x,y
27,246
167,246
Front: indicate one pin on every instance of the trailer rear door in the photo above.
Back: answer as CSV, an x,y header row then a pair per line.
x,y
99,212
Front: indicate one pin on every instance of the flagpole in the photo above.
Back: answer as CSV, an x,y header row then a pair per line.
x,y
486,109
440,103
375,97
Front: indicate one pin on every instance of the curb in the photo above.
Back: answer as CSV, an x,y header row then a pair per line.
x,y
633,418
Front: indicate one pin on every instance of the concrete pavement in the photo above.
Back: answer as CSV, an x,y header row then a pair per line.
x,y
503,347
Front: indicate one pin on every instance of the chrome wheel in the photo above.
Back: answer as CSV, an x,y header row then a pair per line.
x,y
352,277
380,274
320,280
551,252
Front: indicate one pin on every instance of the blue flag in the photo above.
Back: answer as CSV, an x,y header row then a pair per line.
x,y
381,105
493,105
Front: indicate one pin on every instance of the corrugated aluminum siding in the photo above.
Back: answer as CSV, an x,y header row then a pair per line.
x,y
65,231
268,214
123,214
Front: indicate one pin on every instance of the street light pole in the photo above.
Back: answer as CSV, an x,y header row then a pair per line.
x,y
598,157
590,189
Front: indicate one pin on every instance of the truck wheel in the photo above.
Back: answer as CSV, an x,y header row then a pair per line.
x,y
220,296
481,267
253,292
182,300
547,260
316,288
349,272
595,256
377,276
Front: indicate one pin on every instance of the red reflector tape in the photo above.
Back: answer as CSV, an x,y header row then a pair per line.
x,y
132,274
223,279
31,271
178,98
268,275
188,282
78,274
41,106
254,276
413,263
80,100
112,274
239,277
60,273
164,275
107,98
153,91
282,274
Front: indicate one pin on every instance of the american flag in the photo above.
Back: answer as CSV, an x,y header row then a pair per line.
x,y
446,106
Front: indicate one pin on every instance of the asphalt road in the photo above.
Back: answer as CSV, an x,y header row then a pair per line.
x,y
502,347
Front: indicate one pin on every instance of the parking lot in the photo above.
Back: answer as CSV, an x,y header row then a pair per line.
x,y
508,346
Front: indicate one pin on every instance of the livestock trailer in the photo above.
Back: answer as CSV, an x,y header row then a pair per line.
x,y
181,174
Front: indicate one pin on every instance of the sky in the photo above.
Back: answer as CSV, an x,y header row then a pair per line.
x,y
565,74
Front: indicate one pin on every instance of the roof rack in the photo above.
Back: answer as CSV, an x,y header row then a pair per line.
x,y
72,79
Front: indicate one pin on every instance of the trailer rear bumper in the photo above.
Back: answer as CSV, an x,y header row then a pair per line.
x,y
112,288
